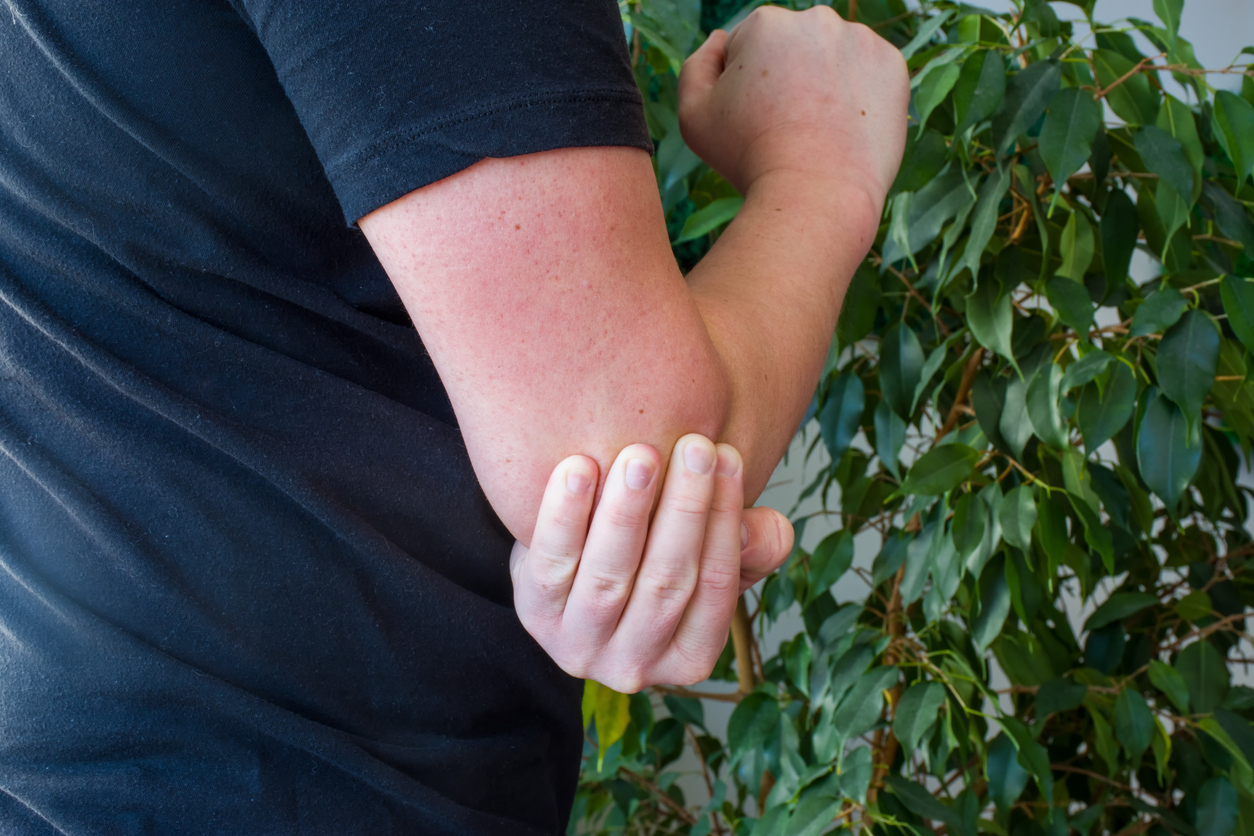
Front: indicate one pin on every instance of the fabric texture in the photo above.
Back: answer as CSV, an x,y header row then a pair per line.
x,y
248,581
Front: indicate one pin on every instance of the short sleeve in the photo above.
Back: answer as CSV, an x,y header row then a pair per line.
x,y
397,94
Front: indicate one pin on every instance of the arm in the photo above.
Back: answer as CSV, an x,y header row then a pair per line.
x,y
547,295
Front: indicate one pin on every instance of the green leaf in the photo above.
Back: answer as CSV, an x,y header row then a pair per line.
x,y
1018,517
970,519
1134,724
994,607
1231,218
919,801
841,415
990,318
1042,402
1106,746
1206,675
831,559
1195,606
929,209
1173,213
706,220
1058,695
927,30
901,363
686,710
1076,247
1176,119
1119,228
1014,425
890,435
1101,414
984,221
1161,744
1032,755
1085,369
1072,302
1006,778
1071,125
855,773
1160,310
814,812
1239,729
1168,680
860,709
1052,528
1135,100
1168,12
916,713
1238,300
1233,119
1163,155
753,722
1187,358
862,301
1216,806
1118,607
612,714
1027,95
980,89
1168,451
933,90
939,470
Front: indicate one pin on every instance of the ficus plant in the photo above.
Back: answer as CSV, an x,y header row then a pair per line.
x,y
1039,432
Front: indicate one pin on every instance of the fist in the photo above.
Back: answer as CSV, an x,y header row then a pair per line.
x,y
805,93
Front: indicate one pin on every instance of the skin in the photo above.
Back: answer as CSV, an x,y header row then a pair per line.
x,y
546,293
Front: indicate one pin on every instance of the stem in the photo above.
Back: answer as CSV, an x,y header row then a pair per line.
x,y
1142,64
884,744
964,388
674,806
742,641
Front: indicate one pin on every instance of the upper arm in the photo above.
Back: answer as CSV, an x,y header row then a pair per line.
x,y
545,291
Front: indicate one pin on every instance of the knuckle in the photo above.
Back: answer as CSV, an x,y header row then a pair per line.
x,y
720,578
688,506
675,586
618,516
605,594
552,572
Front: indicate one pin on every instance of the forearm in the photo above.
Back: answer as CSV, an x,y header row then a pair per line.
x,y
769,292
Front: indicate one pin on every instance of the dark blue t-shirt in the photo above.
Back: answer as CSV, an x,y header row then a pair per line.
x,y
248,582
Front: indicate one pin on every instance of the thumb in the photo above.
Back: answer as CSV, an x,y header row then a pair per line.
x,y
703,67
770,539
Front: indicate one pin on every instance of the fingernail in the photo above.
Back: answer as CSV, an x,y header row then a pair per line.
x,y
639,474
728,463
744,536
698,457
578,482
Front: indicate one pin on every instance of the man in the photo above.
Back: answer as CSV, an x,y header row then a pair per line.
x,y
252,580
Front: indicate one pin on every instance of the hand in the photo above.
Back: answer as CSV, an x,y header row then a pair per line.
x,y
629,604
800,92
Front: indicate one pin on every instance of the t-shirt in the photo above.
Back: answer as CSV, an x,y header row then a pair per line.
x,y
248,581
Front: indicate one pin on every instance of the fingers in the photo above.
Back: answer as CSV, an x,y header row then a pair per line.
x,y
703,67
673,555
543,573
612,550
700,74
702,631
769,544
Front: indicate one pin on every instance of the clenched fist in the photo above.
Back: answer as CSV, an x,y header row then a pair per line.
x,y
798,93
630,601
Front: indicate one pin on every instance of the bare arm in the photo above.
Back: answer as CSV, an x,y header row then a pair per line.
x,y
546,292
